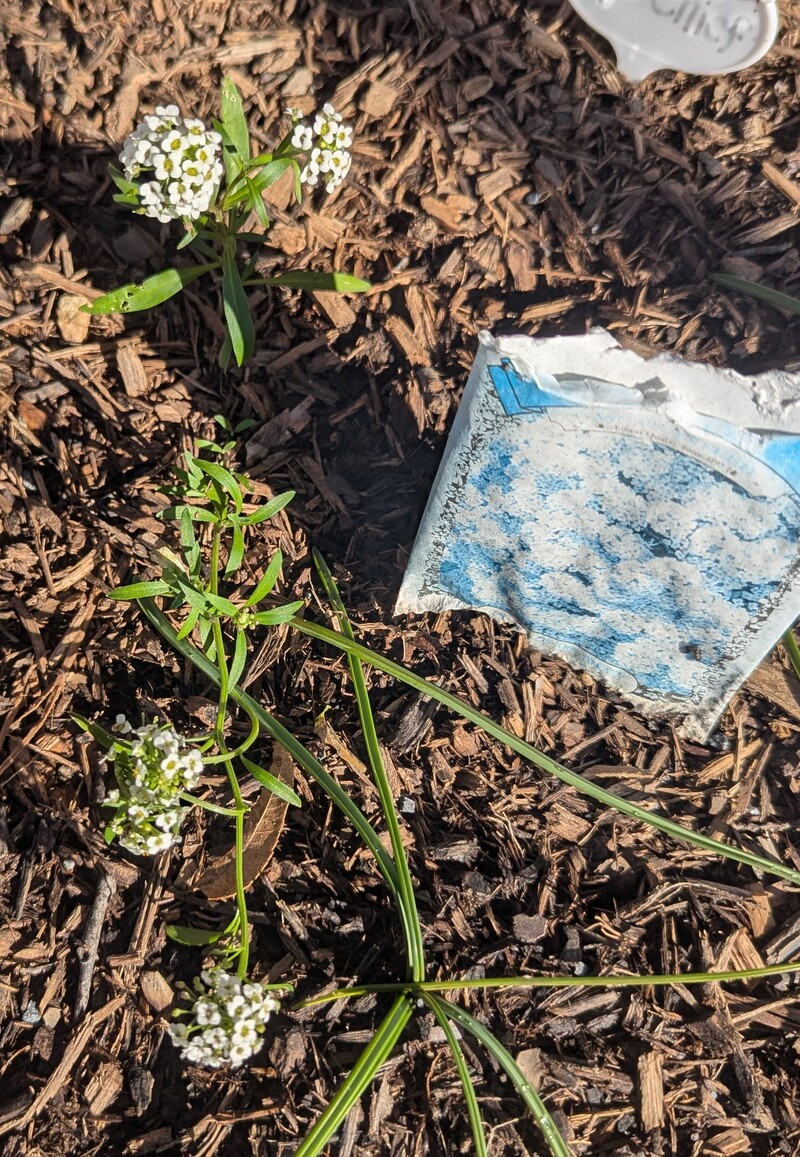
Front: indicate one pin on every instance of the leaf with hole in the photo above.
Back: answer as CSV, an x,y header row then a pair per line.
x,y
145,294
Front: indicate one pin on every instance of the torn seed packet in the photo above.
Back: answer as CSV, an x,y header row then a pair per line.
x,y
639,518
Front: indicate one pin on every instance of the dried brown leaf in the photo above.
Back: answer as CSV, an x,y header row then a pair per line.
x,y
262,828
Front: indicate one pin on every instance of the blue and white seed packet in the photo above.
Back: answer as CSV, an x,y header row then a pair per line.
x,y
639,518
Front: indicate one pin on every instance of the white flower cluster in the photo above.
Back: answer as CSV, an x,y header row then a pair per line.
x,y
228,1020
184,158
151,769
327,141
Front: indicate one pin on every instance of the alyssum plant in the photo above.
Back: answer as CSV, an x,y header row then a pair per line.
x,y
218,621
176,169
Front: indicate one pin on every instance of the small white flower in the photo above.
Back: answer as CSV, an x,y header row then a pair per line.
x,y
327,144
180,159
222,1032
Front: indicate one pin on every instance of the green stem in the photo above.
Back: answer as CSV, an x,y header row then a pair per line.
x,y
415,951
241,749
532,1100
440,1010
206,805
360,1077
219,730
419,989
586,786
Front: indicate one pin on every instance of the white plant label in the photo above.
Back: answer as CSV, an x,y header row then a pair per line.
x,y
705,37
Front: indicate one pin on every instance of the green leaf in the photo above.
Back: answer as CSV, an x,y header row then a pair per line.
x,y
224,606
223,478
109,835
103,737
257,205
126,199
196,513
279,614
239,658
270,509
234,121
271,782
189,623
194,937
761,292
141,590
265,585
267,176
236,307
145,294
237,549
533,1102
225,353
361,1076
122,182
336,282
539,759
189,236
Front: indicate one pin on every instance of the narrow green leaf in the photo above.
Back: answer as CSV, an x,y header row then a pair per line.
x,y
257,205
233,119
761,292
122,182
239,658
194,597
223,478
224,606
467,1087
188,238
109,835
533,1101
103,737
586,786
237,549
271,576
279,614
247,186
145,294
126,199
196,513
359,1079
188,539
194,937
269,510
412,929
271,782
236,307
141,590
336,282
189,623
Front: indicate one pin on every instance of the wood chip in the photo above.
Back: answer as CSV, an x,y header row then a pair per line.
x,y
651,1091
72,324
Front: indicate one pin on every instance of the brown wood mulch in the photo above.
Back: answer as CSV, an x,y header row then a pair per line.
x,y
506,177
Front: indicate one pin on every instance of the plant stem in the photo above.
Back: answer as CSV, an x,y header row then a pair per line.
x,y
219,732
586,786
440,1010
426,986
533,1101
409,915
359,1078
